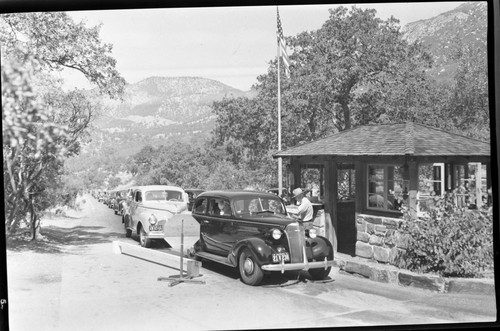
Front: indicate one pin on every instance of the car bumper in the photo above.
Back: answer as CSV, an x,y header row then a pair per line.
x,y
156,235
299,266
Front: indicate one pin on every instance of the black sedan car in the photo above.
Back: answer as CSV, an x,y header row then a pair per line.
x,y
253,232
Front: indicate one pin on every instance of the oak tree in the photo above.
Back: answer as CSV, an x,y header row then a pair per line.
x,y
41,124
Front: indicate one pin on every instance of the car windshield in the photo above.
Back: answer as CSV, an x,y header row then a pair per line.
x,y
259,205
164,195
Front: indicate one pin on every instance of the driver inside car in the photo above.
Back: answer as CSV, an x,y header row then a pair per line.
x,y
224,207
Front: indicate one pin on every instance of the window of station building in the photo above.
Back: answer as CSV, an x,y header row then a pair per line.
x,y
470,183
387,188
312,179
431,184
346,182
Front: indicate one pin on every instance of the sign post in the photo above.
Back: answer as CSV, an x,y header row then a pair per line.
x,y
181,279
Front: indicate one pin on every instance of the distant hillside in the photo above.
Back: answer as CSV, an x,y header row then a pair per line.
x,y
448,32
156,110
163,101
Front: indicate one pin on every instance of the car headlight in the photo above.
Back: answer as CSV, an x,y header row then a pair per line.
x,y
312,233
152,219
276,234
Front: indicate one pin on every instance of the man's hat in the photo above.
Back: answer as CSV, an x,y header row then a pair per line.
x,y
297,192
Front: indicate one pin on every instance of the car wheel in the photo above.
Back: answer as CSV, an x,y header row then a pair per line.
x,y
128,233
319,273
250,271
145,241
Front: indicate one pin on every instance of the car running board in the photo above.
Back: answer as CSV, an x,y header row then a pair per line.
x,y
213,257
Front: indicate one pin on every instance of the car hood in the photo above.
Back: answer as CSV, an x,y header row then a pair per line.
x,y
171,206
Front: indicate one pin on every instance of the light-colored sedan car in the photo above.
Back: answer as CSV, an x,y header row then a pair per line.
x,y
150,209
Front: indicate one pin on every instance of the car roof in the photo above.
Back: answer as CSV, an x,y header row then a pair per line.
x,y
233,194
158,187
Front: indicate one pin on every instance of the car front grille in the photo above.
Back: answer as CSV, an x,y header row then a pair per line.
x,y
296,240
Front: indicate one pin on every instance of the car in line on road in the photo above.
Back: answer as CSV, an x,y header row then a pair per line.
x,y
150,209
112,199
126,203
107,198
102,196
253,232
118,203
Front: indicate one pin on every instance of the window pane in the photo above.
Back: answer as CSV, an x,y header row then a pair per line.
x,y
346,183
375,201
398,173
201,206
391,205
430,179
459,175
376,173
437,173
386,187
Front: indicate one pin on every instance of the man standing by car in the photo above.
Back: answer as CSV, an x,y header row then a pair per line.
x,y
305,209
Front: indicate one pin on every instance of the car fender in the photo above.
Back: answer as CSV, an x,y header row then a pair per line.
x,y
142,213
127,220
257,246
139,226
321,248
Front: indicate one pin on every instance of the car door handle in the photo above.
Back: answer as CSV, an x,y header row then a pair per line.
x,y
204,222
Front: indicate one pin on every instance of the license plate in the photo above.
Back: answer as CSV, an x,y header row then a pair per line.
x,y
156,228
279,257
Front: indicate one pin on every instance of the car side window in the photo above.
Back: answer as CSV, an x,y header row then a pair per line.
x,y
213,208
220,207
201,206
138,196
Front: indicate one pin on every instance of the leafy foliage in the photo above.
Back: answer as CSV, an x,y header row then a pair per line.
x,y
193,166
32,143
355,67
58,42
452,241
41,124
468,99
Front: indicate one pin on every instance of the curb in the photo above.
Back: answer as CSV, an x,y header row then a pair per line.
x,y
393,275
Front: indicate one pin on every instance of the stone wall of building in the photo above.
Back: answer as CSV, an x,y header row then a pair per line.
x,y
378,238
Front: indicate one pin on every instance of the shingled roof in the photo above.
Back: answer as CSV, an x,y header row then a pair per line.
x,y
391,139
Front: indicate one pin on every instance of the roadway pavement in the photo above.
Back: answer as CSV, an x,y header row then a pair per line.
x,y
87,286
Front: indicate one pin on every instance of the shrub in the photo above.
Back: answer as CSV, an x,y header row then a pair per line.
x,y
451,241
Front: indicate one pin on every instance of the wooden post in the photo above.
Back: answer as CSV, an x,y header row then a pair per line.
x,y
478,185
413,190
331,202
361,189
296,169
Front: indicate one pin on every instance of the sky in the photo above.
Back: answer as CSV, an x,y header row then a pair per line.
x,y
233,45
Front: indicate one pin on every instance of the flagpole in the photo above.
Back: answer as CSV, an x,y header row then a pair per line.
x,y
280,161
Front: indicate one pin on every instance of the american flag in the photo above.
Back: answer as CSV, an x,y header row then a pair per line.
x,y
282,46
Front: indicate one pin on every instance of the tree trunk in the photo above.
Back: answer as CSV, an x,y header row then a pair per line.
x,y
34,225
347,115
